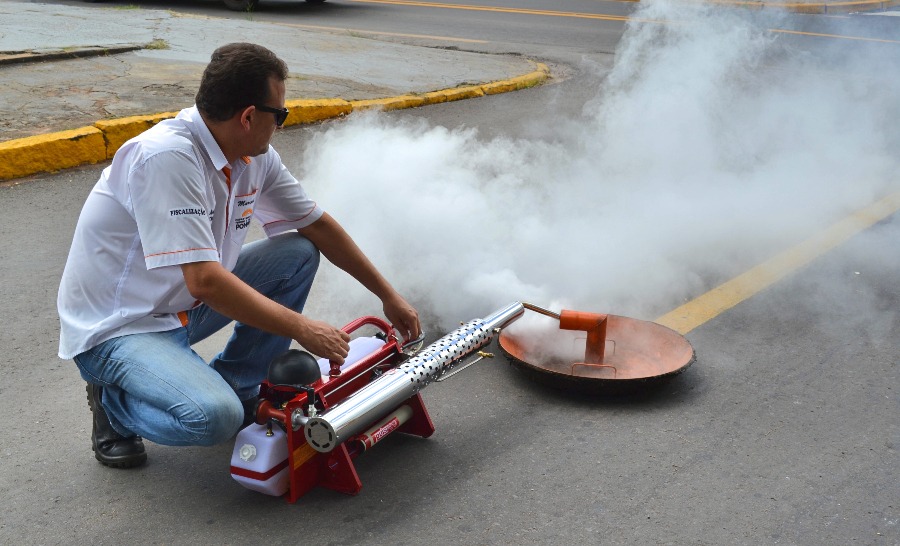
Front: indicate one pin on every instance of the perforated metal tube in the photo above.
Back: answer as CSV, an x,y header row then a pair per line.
x,y
353,415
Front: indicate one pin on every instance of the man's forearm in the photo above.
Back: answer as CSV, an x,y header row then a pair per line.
x,y
224,292
221,290
339,248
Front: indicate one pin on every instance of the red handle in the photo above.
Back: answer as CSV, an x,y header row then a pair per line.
x,y
381,324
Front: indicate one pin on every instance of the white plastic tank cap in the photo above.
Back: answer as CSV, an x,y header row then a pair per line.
x,y
248,452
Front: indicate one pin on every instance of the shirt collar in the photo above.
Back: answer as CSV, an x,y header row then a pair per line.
x,y
199,129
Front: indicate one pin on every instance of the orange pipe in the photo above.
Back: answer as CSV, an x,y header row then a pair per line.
x,y
595,326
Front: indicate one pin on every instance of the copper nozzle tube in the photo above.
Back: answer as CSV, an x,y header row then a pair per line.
x,y
595,326
541,310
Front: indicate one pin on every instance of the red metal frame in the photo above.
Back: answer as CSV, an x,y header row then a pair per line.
x,y
335,470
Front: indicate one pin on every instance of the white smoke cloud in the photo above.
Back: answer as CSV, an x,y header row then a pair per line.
x,y
710,145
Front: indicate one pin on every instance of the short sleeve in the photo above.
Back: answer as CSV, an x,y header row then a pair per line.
x,y
169,195
283,204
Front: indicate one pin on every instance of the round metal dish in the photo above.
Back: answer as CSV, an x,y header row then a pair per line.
x,y
638,355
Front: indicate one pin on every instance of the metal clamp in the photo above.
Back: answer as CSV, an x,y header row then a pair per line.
x,y
413,346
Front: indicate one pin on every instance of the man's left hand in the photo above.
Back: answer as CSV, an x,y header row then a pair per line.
x,y
403,317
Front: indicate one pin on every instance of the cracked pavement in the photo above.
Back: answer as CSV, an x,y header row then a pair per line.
x,y
50,92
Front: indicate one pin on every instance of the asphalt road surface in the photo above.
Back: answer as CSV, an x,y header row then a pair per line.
x,y
784,431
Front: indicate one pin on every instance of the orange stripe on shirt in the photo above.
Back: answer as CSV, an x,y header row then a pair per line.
x,y
175,252
293,220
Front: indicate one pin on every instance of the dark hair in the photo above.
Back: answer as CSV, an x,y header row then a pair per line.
x,y
237,76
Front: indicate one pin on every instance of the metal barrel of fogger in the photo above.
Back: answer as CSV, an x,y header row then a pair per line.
x,y
352,416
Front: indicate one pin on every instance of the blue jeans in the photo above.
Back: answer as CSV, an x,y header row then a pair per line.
x,y
156,386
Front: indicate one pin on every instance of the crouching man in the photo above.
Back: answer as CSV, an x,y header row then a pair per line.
x,y
158,263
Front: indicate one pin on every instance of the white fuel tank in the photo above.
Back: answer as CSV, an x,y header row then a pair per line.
x,y
260,459
359,348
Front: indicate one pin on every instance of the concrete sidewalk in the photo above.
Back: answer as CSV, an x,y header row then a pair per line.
x,y
77,82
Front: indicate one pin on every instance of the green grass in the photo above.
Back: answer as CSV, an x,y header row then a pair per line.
x,y
157,44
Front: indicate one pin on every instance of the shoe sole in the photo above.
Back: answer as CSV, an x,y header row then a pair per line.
x,y
126,462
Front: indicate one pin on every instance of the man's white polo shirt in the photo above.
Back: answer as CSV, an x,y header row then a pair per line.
x,y
165,201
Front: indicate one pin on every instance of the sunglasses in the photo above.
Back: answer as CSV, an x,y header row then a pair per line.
x,y
281,114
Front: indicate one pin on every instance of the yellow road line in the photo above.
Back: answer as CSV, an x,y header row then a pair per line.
x,y
827,7
380,33
622,18
724,297
817,34
501,9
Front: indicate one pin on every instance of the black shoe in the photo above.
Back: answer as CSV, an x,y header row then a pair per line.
x,y
250,409
110,447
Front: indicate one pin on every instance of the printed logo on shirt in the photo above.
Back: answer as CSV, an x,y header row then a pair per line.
x,y
242,217
187,211
244,220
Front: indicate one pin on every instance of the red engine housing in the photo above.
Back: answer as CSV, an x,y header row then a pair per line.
x,y
335,470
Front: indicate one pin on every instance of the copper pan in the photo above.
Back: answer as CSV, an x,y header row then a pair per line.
x,y
596,353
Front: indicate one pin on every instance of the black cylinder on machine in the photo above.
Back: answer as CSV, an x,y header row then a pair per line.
x,y
293,368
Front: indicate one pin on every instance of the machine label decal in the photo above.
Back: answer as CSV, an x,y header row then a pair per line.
x,y
388,428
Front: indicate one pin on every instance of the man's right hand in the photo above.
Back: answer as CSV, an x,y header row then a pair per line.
x,y
324,340
212,284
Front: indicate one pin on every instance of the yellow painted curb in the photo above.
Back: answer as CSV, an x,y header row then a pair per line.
x,y
52,152
64,149
391,103
457,93
313,110
118,131
522,82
